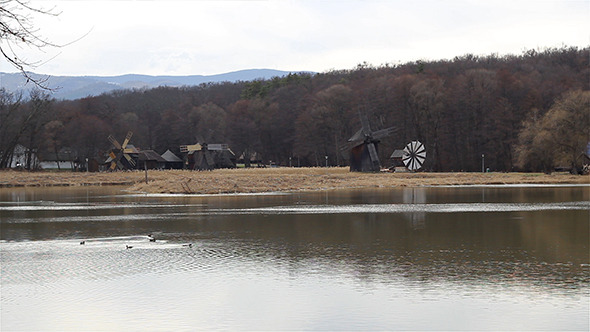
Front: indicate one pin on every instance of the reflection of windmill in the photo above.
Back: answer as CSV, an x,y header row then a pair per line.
x,y
207,156
363,147
417,215
119,156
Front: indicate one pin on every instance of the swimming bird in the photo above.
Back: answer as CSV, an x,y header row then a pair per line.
x,y
82,242
128,246
190,245
151,238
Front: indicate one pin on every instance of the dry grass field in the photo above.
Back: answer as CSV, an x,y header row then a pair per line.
x,y
255,180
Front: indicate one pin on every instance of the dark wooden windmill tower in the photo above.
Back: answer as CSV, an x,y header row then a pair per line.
x,y
122,156
364,147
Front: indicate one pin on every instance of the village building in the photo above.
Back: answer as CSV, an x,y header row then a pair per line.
x,y
172,160
397,161
150,159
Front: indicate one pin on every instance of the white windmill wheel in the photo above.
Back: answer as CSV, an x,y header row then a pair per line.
x,y
414,155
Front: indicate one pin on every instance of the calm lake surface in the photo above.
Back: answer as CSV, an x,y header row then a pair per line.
x,y
445,258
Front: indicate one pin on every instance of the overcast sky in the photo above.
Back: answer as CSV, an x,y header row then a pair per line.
x,y
210,37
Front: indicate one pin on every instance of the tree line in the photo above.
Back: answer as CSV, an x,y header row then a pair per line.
x,y
523,112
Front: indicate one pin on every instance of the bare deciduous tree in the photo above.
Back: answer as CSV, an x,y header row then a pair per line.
x,y
19,120
17,31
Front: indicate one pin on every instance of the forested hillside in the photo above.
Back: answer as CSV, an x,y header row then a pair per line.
x,y
460,109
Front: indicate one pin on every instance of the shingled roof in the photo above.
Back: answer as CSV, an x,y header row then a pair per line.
x,y
397,154
150,155
170,157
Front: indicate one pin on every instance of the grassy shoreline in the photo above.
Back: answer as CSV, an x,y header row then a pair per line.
x,y
256,180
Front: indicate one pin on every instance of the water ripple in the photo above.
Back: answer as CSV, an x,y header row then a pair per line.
x,y
54,206
40,262
403,208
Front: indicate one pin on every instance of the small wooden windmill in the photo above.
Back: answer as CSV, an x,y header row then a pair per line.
x,y
120,155
207,156
363,146
414,155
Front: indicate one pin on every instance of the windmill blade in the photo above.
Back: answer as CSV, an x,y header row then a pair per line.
x,y
209,159
420,155
217,147
198,160
384,132
114,142
127,139
116,163
366,130
193,147
345,147
418,149
130,160
409,162
113,157
373,154
350,145
420,162
120,165
345,150
421,151
357,137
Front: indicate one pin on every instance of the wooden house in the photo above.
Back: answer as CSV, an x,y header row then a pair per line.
x,y
172,160
397,162
150,159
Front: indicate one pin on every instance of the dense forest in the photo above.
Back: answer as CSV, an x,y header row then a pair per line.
x,y
460,109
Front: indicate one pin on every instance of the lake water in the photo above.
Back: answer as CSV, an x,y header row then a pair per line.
x,y
445,258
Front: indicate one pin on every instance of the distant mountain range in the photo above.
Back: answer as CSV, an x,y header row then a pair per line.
x,y
74,87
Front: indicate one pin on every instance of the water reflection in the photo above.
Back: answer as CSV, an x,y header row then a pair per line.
x,y
357,259
415,196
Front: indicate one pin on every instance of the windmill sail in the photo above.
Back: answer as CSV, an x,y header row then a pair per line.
x,y
119,156
414,155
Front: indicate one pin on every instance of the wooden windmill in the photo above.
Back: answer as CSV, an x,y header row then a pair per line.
x,y
120,155
363,146
207,156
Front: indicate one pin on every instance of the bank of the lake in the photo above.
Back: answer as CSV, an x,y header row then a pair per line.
x,y
258,180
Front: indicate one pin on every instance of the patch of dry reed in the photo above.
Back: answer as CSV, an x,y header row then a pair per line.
x,y
255,180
